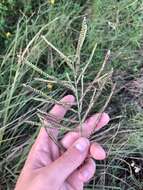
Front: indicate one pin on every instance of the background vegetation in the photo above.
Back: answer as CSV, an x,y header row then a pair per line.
x,y
25,56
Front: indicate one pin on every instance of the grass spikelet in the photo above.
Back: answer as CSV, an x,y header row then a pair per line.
x,y
38,70
38,92
81,40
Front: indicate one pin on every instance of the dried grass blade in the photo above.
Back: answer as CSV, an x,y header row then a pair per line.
x,y
86,66
54,120
109,98
66,59
104,63
50,135
94,99
105,105
36,37
108,75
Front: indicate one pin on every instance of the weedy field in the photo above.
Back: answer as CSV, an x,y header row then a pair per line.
x,y
91,49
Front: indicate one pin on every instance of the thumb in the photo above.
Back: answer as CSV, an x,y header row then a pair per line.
x,y
68,162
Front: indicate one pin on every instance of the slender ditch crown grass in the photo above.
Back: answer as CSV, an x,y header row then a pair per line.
x,y
35,74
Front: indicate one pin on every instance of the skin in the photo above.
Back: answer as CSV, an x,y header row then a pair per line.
x,y
47,168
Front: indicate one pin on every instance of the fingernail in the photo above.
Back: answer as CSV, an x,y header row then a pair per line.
x,y
85,174
82,144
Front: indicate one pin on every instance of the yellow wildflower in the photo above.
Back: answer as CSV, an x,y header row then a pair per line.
x,y
52,2
50,86
8,34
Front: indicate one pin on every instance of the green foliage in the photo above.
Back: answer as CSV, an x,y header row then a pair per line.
x,y
117,25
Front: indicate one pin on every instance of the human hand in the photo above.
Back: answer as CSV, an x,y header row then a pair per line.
x,y
47,168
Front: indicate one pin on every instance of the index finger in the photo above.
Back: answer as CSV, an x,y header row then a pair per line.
x,y
57,112
41,150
